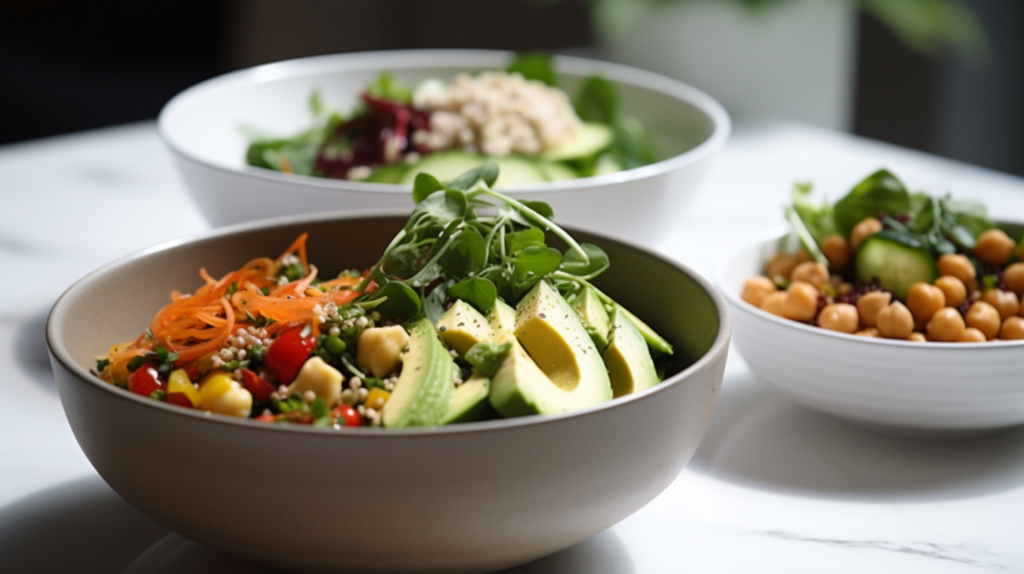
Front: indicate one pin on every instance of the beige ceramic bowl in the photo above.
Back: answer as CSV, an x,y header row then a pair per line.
x,y
469,498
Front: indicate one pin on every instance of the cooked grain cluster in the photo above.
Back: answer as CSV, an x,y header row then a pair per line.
x,y
496,113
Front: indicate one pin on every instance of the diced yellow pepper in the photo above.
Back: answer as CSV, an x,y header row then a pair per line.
x,y
219,393
376,398
117,372
178,382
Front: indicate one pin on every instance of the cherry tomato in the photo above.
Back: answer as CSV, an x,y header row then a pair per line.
x,y
347,416
266,418
144,381
260,389
287,353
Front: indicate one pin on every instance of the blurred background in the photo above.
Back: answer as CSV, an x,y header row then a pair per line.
x,y
943,76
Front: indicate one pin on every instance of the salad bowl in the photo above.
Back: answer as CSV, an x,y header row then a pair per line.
x,y
908,388
473,497
203,128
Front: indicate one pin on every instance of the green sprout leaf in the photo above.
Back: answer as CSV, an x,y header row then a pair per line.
x,y
535,66
476,291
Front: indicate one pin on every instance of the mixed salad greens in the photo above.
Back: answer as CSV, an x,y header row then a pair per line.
x,y
468,314
885,261
378,140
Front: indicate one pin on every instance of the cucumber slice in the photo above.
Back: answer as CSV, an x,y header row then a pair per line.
x,y
556,171
514,170
897,261
591,140
446,166
388,174
607,164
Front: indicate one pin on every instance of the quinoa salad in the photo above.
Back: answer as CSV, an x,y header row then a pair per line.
x,y
518,117
884,262
468,315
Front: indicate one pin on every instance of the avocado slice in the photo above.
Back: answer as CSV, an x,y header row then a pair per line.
x,y
655,341
502,321
594,317
471,402
629,362
462,326
555,367
425,389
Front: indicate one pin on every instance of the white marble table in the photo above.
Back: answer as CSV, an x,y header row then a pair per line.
x,y
774,487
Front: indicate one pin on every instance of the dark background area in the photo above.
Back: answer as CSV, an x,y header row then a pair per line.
x,y
74,65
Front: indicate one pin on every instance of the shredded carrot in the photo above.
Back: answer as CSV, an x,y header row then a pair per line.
x,y
199,324
286,166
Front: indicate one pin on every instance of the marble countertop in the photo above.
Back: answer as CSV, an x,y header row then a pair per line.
x,y
773,487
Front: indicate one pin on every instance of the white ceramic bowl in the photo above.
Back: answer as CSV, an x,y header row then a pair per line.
x,y
201,126
926,389
474,497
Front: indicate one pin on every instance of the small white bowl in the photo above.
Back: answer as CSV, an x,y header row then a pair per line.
x,y
201,126
923,389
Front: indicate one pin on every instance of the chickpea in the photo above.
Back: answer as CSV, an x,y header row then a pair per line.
x,y
844,288
1013,328
1005,302
953,288
868,226
801,256
757,289
801,302
840,317
810,272
870,304
971,335
895,321
775,303
781,265
917,337
870,332
1013,276
946,325
836,250
958,266
924,300
985,318
994,247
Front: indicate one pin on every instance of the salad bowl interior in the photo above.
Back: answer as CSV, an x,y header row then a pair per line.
x,y
203,128
474,497
928,390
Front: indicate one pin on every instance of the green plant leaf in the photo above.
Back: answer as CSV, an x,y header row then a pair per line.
x,y
388,87
424,185
879,192
531,265
476,291
486,172
535,66
465,255
400,301
597,262
597,100
517,241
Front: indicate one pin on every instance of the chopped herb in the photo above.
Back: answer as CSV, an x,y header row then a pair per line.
x,y
136,363
102,364
158,394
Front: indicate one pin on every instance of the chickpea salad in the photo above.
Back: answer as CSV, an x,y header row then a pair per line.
x,y
517,116
885,262
468,315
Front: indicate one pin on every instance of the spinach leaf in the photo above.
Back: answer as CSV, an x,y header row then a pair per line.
x,y
486,358
486,172
476,291
631,145
531,265
574,264
879,192
401,301
597,101
535,66
465,255
519,240
424,185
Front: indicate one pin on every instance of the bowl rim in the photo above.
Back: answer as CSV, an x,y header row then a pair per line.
x,y
730,292
427,58
58,353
